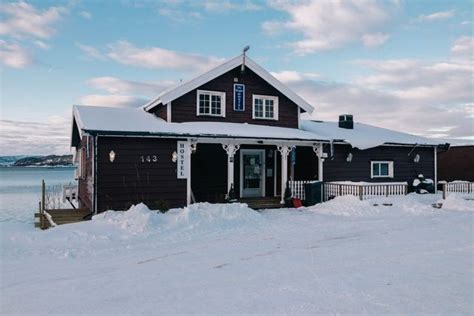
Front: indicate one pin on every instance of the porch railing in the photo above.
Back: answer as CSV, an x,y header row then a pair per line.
x,y
364,190
297,188
462,187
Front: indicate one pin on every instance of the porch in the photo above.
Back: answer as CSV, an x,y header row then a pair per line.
x,y
250,171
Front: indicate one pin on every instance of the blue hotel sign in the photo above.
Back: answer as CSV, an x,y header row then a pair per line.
x,y
239,97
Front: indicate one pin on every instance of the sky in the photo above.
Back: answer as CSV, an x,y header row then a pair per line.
x,y
404,65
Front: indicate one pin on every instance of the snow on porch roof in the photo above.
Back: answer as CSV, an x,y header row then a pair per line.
x,y
175,92
364,136
136,121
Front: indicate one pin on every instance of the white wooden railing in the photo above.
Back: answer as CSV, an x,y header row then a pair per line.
x,y
297,188
462,187
364,190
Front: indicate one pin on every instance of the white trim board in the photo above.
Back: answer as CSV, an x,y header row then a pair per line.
x,y
176,92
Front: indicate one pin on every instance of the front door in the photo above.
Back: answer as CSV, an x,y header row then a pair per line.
x,y
252,172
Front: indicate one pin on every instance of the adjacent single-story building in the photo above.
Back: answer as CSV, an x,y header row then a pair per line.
x,y
233,130
457,163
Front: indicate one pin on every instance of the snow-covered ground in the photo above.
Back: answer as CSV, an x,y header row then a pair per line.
x,y
343,256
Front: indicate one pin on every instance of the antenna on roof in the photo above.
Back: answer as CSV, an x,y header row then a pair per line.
x,y
242,68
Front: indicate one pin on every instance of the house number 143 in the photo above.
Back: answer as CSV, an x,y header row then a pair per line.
x,y
149,158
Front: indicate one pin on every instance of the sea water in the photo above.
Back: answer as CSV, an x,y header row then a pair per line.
x,y
20,190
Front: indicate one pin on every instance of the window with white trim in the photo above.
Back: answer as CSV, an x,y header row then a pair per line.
x,y
381,169
211,103
264,107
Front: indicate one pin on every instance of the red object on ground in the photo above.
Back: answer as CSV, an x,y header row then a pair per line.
x,y
297,203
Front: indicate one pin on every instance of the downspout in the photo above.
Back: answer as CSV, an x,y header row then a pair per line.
x,y
436,168
94,170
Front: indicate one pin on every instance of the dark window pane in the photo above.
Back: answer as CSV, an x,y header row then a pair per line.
x,y
384,169
375,169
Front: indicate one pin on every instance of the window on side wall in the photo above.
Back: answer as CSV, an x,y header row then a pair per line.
x,y
264,107
381,169
210,103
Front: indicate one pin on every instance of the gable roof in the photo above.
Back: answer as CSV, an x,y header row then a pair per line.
x,y
176,92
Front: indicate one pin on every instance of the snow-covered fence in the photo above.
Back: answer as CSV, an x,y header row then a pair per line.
x,y
297,188
364,190
462,187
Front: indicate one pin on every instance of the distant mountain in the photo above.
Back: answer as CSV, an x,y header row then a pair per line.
x,y
44,161
6,161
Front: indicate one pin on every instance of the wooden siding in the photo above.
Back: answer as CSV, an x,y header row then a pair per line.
x,y
85,184
456,164
162,112
338,169
184,108
129,181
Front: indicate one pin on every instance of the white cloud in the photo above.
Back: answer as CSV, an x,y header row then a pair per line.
x,y
21,22
179,15
51,136
294,76
90,51
86,15
24,19
416,96
158,58
463,46
375,39
41,44
112,100
328,24
226,5
115,85
14,55
441,15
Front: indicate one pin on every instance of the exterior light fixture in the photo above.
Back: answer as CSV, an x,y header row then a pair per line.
x,y
417,158
349,157
174,157
112,156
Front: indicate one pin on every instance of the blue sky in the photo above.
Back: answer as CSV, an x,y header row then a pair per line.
x,y
390,63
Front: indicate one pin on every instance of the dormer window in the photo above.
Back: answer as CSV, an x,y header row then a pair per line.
x,y
210,103
265,107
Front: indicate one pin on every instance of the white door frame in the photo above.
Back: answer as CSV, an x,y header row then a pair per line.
x,y
262,175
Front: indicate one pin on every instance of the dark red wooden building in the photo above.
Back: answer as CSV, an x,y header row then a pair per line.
x,y
234,127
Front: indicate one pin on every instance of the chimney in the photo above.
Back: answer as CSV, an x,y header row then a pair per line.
x,y
346,121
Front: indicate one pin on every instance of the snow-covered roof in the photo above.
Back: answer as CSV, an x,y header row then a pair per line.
x,y
178,91
136,120
364,136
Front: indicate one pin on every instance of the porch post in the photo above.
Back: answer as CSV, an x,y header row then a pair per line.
x,y
231,149
284,150
191,148
318,150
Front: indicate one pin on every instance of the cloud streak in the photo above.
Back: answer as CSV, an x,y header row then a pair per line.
x,y
35,138
328,24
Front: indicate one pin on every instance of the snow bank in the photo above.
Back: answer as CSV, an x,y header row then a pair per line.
x,y
411,204
455,202
346,205
138,219
197,217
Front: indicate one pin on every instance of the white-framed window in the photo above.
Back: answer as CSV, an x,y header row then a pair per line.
x,y
264,107
381,169
211,103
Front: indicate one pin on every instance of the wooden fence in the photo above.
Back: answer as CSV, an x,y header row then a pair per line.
x,y
364,190
50,210
462,187
297,188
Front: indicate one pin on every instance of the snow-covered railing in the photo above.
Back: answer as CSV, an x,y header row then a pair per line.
x,y
297,188
463,187
364,190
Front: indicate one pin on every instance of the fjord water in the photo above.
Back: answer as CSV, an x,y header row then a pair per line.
x,y
20,190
